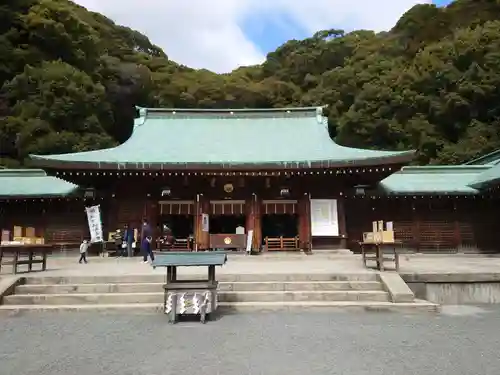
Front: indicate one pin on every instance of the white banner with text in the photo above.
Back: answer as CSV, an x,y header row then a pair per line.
x,y
95,223
324,218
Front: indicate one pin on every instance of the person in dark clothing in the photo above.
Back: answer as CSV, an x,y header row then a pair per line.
x,y
147,250
146,230
128,240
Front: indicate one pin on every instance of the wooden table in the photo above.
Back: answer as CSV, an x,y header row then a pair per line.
x,y
191,296
376,252
25,254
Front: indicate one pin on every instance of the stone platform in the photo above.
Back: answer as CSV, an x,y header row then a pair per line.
x,y
273,281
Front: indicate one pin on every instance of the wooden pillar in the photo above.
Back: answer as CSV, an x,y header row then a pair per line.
x,y
457,233
415,226
304,211
257,234
342,222
253,220
202,239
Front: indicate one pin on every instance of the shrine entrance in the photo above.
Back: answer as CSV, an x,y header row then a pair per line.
x,y
178,217
227,224
280,225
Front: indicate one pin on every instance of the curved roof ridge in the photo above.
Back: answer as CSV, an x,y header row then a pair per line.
x,y
235,110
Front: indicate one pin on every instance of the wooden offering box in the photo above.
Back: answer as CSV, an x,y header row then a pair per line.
x,y
228,241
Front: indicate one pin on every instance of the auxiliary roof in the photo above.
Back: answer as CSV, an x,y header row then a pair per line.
x,y
27,183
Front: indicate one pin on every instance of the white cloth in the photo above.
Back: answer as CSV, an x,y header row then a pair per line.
x,y
84,247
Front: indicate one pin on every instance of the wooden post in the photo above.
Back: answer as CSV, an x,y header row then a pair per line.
x,y
457,234
342,222
304,211
202,206
253,220
250,217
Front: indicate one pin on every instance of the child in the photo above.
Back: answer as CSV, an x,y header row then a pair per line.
x,y
83,251
146,249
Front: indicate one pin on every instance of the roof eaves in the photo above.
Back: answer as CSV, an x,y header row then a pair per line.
x,y
391,159
490,158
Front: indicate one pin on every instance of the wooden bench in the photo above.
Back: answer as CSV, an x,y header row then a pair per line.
x,y
17,255
281,243
380,253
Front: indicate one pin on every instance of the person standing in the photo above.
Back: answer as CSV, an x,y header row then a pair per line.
x,y
145,230
128,240
84,247
147,250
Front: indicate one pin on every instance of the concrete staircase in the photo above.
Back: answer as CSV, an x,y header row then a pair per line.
x,y
237,293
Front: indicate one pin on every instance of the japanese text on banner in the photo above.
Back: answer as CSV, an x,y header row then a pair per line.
x,y
95,224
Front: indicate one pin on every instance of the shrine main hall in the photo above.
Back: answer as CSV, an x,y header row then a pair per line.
x,y
275,173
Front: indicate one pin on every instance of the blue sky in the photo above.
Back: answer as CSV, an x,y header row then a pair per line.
x,y
221,35
270,35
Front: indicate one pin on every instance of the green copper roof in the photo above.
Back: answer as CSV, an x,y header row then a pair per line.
x,y
23,183
491,158
434,180
488,178
208,139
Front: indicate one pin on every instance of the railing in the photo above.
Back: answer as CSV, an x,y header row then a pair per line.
x,y
178,244
281,243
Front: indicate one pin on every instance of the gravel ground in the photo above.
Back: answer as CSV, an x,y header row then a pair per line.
x,y
462,340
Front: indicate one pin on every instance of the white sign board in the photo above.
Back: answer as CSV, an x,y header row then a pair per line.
x,y
249,241
205,223
95,223
324,218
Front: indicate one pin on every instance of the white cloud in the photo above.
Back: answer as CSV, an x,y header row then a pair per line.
x,y
208,34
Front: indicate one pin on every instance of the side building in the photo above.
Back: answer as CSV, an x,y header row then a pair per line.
x,y
29,198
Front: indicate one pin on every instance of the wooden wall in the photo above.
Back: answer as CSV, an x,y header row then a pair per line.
x,y
55,219
429,224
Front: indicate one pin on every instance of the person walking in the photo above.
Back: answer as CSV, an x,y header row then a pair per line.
x,y
128,240
147,249
146,230
84,247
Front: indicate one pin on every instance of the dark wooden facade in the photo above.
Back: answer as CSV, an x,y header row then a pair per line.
x,y
423,223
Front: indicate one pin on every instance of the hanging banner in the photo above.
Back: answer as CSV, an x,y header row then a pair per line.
x,y
95,223
249,241
205,223
324,218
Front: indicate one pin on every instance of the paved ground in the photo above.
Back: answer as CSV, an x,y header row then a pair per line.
x,y
280,263
463,341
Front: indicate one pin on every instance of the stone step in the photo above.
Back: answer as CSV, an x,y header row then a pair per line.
x,y
157,297
160,278
235,307
223,286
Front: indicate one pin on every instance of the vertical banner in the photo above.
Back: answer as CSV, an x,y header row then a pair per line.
x,y
95,223
205,223
249,241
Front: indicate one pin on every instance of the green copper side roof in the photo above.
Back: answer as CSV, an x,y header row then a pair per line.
x,y
488,178
491,158
209,139
24,183
434,180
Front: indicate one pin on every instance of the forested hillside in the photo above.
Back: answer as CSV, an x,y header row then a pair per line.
x,y
70,78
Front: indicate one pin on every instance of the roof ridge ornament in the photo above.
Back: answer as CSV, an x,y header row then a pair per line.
x,y
143,112
319,115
